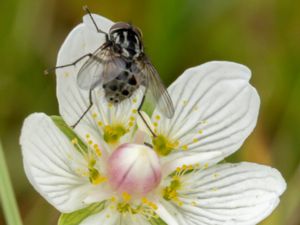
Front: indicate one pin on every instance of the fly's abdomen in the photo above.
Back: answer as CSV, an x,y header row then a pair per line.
x,y
120,88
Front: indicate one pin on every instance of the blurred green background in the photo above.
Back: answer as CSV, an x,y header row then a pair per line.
x,y
263,35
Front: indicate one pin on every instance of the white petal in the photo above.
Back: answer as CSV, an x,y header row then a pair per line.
x,y
215,108
50,161
72,100
163,213
241,194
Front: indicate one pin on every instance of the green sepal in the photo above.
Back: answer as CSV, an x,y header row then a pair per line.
x,y
78,216
157,221
69,133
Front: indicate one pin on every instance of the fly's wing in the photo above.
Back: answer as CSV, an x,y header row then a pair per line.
x,y
103,66
157,89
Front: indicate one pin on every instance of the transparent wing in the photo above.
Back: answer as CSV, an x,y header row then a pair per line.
x,y
104,65
157,89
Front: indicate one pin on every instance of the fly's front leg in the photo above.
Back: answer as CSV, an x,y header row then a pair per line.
x,y
86,111
141,115
47,71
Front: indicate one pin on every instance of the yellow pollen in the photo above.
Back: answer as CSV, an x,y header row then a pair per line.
x,y
184,147
126,197
112,134
132,118
205,165
74,141
163,146
144,200
134,111
134,100
195,140
155,124
194,203
87,136
157,117
94,115
200,131
110,105
100,123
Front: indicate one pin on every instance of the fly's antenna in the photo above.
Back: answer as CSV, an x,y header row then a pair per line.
x,y
86,8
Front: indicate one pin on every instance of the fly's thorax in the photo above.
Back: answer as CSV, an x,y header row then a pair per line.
x,y
121,88
126,39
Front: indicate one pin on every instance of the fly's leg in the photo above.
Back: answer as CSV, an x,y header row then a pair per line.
x,y
85,8
141,115
86,111
47,71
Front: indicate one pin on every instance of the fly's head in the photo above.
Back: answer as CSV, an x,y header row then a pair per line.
x,y
126,39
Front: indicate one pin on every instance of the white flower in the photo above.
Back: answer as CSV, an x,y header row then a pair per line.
x,y
178,180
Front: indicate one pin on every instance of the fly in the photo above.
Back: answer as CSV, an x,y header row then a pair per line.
x,y
120,66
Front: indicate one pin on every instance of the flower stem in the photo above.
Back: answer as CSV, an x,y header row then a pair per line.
x,y
8,199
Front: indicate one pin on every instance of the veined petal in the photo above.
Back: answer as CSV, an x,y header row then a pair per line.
x,y
230,194
215,109
74,101
51,163
163,213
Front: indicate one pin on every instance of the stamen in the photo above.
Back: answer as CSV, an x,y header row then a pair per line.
x,y
95,177
157,117
184,147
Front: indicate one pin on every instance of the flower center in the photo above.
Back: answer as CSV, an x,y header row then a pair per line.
x,y
163,146
170,192
134,169
139,207
112,134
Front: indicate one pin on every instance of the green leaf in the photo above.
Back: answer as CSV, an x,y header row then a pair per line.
x,y
70,134
78,216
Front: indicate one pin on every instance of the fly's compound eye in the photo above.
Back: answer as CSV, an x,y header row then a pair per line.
x,y
138,31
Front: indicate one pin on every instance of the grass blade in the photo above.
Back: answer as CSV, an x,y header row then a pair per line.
x,y
8,200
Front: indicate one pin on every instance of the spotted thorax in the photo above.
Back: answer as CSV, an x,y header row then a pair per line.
x,y
111,170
